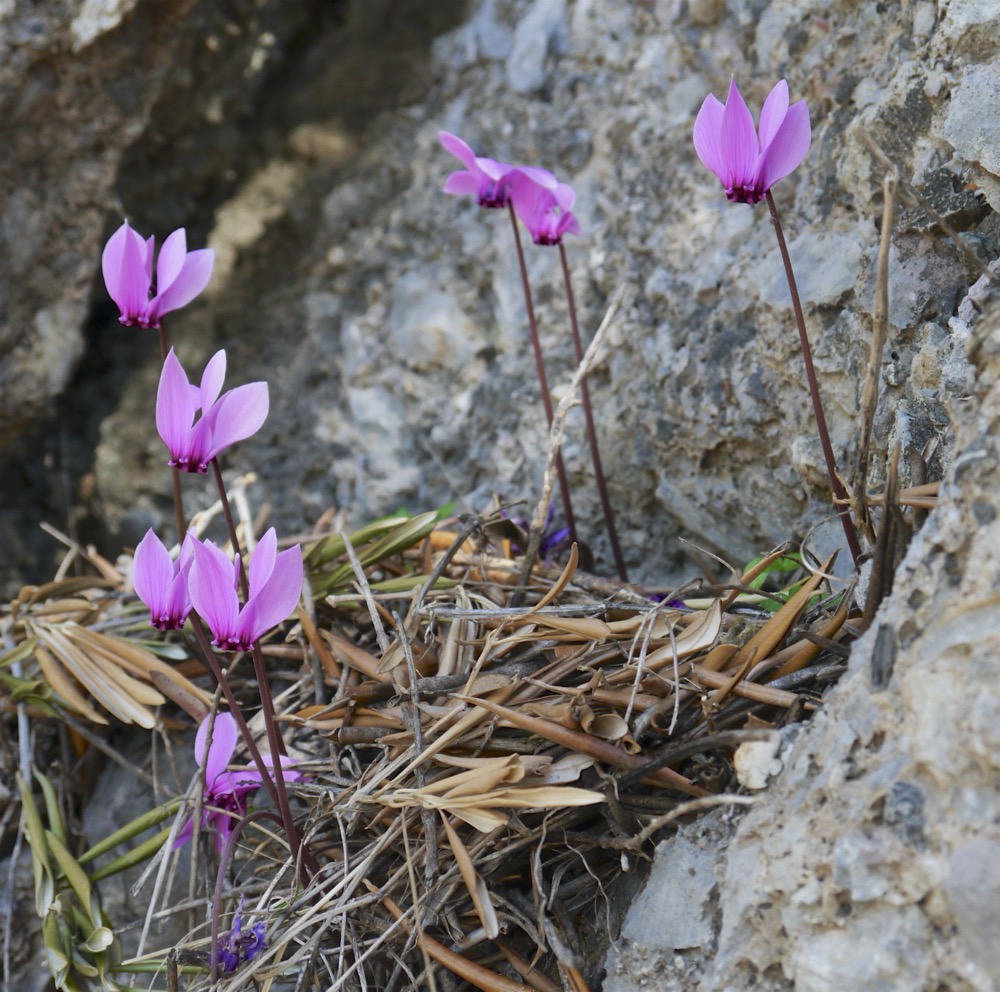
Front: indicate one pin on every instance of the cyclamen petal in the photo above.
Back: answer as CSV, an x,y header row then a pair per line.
x,y
226,419
544,208
192,279
213,592
127,265
487,180
162,583
238,415
728,145
225,735
276,599
262,561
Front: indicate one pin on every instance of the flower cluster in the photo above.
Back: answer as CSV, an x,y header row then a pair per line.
x,y
542,202
205,578
224,800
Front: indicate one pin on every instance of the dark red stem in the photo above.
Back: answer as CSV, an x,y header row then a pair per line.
x,y
543,380
588,416
824,435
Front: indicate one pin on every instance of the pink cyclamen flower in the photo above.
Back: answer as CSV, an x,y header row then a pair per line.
x,y
127,263
275,584
224,420
161,583
727,142
544,205
487,180
226,792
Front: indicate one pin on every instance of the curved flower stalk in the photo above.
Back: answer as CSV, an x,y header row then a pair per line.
x,y
728,144
544,205
161,583
234,416
127,264
226,791
486,179
275,584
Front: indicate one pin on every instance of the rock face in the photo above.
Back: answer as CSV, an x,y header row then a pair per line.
x,y
410,380
871,863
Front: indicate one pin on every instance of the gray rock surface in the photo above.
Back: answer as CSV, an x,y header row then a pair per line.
x,y
411,382
872,862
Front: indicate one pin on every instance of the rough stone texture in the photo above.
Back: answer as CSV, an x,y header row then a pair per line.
x,y
871,863
411,383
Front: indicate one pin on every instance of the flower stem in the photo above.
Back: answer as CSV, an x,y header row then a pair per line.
x,y
271,777
543,380
824,435
588,414
176,472
274,739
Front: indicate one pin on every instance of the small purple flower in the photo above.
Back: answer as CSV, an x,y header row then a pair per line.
x,y
224,800
127,264
239,945
553,538
275,584
487,180
727,143
224,420
544,205
162,583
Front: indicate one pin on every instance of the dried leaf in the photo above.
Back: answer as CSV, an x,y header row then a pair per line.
x,y
478,891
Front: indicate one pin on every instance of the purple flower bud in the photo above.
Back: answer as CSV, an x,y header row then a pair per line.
x,y
727,142
127,263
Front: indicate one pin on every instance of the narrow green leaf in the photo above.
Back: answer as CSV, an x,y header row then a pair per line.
x,y
44,881
75,875
404,583
395,541
132,829
23,651
136,856
56,824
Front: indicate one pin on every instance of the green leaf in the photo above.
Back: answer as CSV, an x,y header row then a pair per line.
x,y
100,939
69,867
333,545
56,952
22,652
44,879
131,829
56,824
398,539
134,857
404,583
786,563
